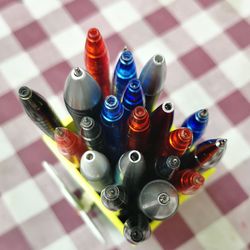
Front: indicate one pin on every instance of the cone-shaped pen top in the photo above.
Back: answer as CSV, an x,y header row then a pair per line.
x,y
25,93
94,34
168,107
126,56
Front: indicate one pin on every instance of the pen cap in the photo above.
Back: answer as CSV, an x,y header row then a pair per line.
x,y
158,200
136,228
114,197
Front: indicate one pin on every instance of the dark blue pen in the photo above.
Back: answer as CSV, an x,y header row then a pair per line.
x,y
112,120
132,97
197,122
125,70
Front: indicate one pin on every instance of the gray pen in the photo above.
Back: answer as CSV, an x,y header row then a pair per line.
x,y
82,95
152,77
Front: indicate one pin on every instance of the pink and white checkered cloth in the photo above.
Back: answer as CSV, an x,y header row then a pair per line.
x,y
206,44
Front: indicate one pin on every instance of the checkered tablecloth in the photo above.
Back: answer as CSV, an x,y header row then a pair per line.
x,y
206,44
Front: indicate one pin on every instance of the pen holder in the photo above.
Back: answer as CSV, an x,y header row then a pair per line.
x,y
83,183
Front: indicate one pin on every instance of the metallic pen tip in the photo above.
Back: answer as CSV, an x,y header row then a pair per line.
x,y
221,143
199,179
59,131
158,59
168,107
125,48
204,113
87,122
77,72
24,93
173,161
90,156
111,192
163,198
134,156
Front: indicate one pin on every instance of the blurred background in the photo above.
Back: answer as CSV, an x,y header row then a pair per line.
x,y
206,46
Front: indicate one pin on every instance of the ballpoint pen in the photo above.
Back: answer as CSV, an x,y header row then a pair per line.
x,y
132,96
177,142
165,167
112,122
136,228
39,111
204,154
95,167
82,96
138,130
125,71
114,197
153,76
187,181
161,122
69,144
158,200
130,172
97,59
197,122
74,201
92,134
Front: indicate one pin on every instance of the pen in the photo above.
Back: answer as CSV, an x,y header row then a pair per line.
x,y
197,122
125,71
69,144
112,122
158,200
132,96
39,111
153,76
177,142
97,59
204,154
187,181
138,130
91,132
82,95
95,167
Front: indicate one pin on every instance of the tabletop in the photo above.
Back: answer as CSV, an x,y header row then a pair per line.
x,y
206,44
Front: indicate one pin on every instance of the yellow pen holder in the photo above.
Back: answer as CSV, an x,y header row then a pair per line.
x,y
72,170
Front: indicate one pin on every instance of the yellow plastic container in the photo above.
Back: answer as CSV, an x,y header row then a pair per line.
x,y
72,170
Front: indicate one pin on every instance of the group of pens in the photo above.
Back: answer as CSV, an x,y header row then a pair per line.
x,y
122,145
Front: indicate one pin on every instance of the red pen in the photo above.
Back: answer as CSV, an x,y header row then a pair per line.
x,y
69,144
177,142
138,129
97,59
187,181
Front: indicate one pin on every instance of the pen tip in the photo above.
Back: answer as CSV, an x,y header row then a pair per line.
x,y
168,107
203,112
222,142
86,122
25,93
77,72
158,59
59,131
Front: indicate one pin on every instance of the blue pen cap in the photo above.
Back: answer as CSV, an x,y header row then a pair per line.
x,y
125,71
197,122
112,110
133,95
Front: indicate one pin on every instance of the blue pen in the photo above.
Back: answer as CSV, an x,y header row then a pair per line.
x,y
125,70
197,122
112,120
132,96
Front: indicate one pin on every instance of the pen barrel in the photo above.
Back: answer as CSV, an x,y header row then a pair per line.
x,y
39,111
151,101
